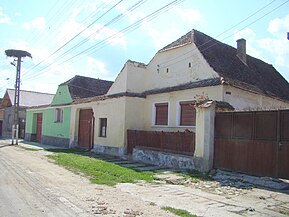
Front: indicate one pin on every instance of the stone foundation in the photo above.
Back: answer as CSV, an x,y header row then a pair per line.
x,y
55,141
163,159
116,151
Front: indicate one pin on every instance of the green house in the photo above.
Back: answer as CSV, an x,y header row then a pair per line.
x,y
50,124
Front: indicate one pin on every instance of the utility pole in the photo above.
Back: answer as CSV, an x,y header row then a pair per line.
x,y
18,54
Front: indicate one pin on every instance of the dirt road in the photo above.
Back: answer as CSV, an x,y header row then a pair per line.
x,y
30,185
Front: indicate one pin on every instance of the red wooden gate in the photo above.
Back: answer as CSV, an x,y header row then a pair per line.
x,y
86,129
38,127
253,142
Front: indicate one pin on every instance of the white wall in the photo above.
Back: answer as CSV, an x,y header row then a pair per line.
x,y
177,62
112,109
173,98
137,78
245,100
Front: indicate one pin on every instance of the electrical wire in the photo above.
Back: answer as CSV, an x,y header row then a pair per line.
x,y
127,29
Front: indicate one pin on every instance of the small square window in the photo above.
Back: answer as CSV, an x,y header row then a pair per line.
x,y
102,127
58,118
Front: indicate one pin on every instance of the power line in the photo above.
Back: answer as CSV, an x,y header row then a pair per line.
x,y
202,45
129,28
75,36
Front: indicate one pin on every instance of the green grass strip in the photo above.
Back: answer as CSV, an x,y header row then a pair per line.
x,y
179,212
100,172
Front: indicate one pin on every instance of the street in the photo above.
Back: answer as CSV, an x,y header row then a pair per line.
x,y
31,185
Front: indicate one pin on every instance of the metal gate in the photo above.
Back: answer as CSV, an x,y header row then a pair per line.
x,y
255,143
85,130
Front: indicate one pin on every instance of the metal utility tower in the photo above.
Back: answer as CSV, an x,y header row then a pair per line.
x,y
18,54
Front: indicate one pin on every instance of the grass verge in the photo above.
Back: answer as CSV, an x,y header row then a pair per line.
x,y
30,149
100,172
179,212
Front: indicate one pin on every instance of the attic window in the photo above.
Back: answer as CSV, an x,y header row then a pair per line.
x,y
190,64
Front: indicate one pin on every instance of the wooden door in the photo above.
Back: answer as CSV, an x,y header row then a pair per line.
x,y
39,127
1,122
284,160
85,129
284,145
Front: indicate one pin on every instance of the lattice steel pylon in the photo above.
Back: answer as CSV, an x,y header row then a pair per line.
x,y
19,54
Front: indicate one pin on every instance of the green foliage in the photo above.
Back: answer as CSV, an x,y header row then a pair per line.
x,y
179,212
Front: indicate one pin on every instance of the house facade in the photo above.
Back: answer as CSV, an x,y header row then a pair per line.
x,y
51,124
177,91
27,99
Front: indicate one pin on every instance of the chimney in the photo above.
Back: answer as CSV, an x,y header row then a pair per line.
x,y
241,50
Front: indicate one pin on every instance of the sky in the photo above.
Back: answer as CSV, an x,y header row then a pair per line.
x,y
95,38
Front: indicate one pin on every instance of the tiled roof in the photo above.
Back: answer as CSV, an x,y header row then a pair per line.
x,y
84,87
30,98
256,75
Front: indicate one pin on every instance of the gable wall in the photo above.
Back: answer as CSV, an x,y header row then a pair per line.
x,y
179,71
62,96
137,79
120,84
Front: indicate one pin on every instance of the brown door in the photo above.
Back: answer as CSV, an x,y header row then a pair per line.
x,y
39,127
284,145
85,130
284,160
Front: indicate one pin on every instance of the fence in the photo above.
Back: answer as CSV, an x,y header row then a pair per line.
x,y
173,142
253,142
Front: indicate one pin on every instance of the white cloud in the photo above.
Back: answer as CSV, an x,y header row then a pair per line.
x,y
277,45
95,33
37,23
279,26
4,18
38,53
96,66
161,38
189,15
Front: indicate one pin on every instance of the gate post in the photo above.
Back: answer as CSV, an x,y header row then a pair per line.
x,y
204,147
